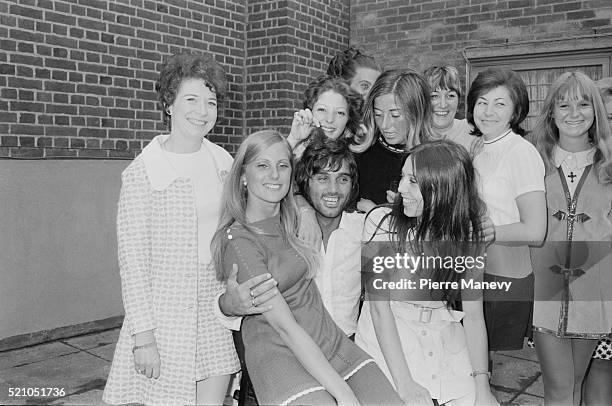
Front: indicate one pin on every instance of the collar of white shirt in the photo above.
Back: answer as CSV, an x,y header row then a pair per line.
x,y
573,160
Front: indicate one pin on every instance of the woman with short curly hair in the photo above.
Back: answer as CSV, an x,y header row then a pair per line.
x,y
171,349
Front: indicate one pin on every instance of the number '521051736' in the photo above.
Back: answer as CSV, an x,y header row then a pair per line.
x,y
36,392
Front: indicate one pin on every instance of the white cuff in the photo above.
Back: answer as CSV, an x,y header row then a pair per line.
x,y
229,322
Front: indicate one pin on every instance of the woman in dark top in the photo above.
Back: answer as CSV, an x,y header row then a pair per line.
x,y
294,352
397,117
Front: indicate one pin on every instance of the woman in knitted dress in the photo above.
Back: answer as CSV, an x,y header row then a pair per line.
x,y
295,353
171,349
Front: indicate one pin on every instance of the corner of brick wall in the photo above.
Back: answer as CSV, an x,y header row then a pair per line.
x,y
289,43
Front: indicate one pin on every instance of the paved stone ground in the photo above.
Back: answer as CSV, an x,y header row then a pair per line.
x,y
80,366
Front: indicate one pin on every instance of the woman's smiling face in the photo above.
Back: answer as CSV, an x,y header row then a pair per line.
x,y
268,176
331,110
194,110
493,112
409,189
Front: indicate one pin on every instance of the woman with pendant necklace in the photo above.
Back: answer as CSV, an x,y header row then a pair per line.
x,y
171,349
573,307
512,185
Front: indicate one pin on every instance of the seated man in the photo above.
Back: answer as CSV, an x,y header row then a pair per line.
x,y
326,176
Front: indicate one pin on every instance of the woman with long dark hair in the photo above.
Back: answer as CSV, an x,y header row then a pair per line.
x,y
414,333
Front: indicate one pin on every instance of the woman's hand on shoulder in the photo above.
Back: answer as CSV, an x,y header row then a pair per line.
x,y
302,124
365,205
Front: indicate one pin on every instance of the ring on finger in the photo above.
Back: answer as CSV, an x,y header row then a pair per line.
x,y
252,294
253,303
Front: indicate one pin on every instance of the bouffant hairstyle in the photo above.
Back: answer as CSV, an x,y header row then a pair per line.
x,y
492,78
183,66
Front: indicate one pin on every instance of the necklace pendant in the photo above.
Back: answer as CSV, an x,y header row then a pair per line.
x,y
572,175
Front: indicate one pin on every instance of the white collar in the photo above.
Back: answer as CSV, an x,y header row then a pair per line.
x,y
573,160
160,171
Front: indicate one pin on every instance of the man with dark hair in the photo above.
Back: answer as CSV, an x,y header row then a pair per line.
x,y
326,176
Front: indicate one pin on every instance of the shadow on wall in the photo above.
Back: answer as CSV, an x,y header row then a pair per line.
x,y
58,256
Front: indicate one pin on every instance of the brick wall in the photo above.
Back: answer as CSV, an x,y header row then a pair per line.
x,y
419,33
77,76
289,43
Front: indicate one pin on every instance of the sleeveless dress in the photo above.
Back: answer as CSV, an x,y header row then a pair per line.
x,y
573,268
277,375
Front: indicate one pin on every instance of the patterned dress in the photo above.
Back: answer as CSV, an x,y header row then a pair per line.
x,y
165,287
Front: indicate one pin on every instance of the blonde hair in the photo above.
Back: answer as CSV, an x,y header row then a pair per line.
x,y
574,85
235,196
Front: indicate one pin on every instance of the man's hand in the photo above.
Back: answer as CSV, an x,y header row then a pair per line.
x,y
488,229
248,297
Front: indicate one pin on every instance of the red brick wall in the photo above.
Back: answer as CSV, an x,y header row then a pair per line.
x,y
289,43
77,77
419,33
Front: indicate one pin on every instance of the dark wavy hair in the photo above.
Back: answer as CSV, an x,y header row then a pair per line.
x,y
413,97
183,66
345,63
452,208
490,79
353,99
324,153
